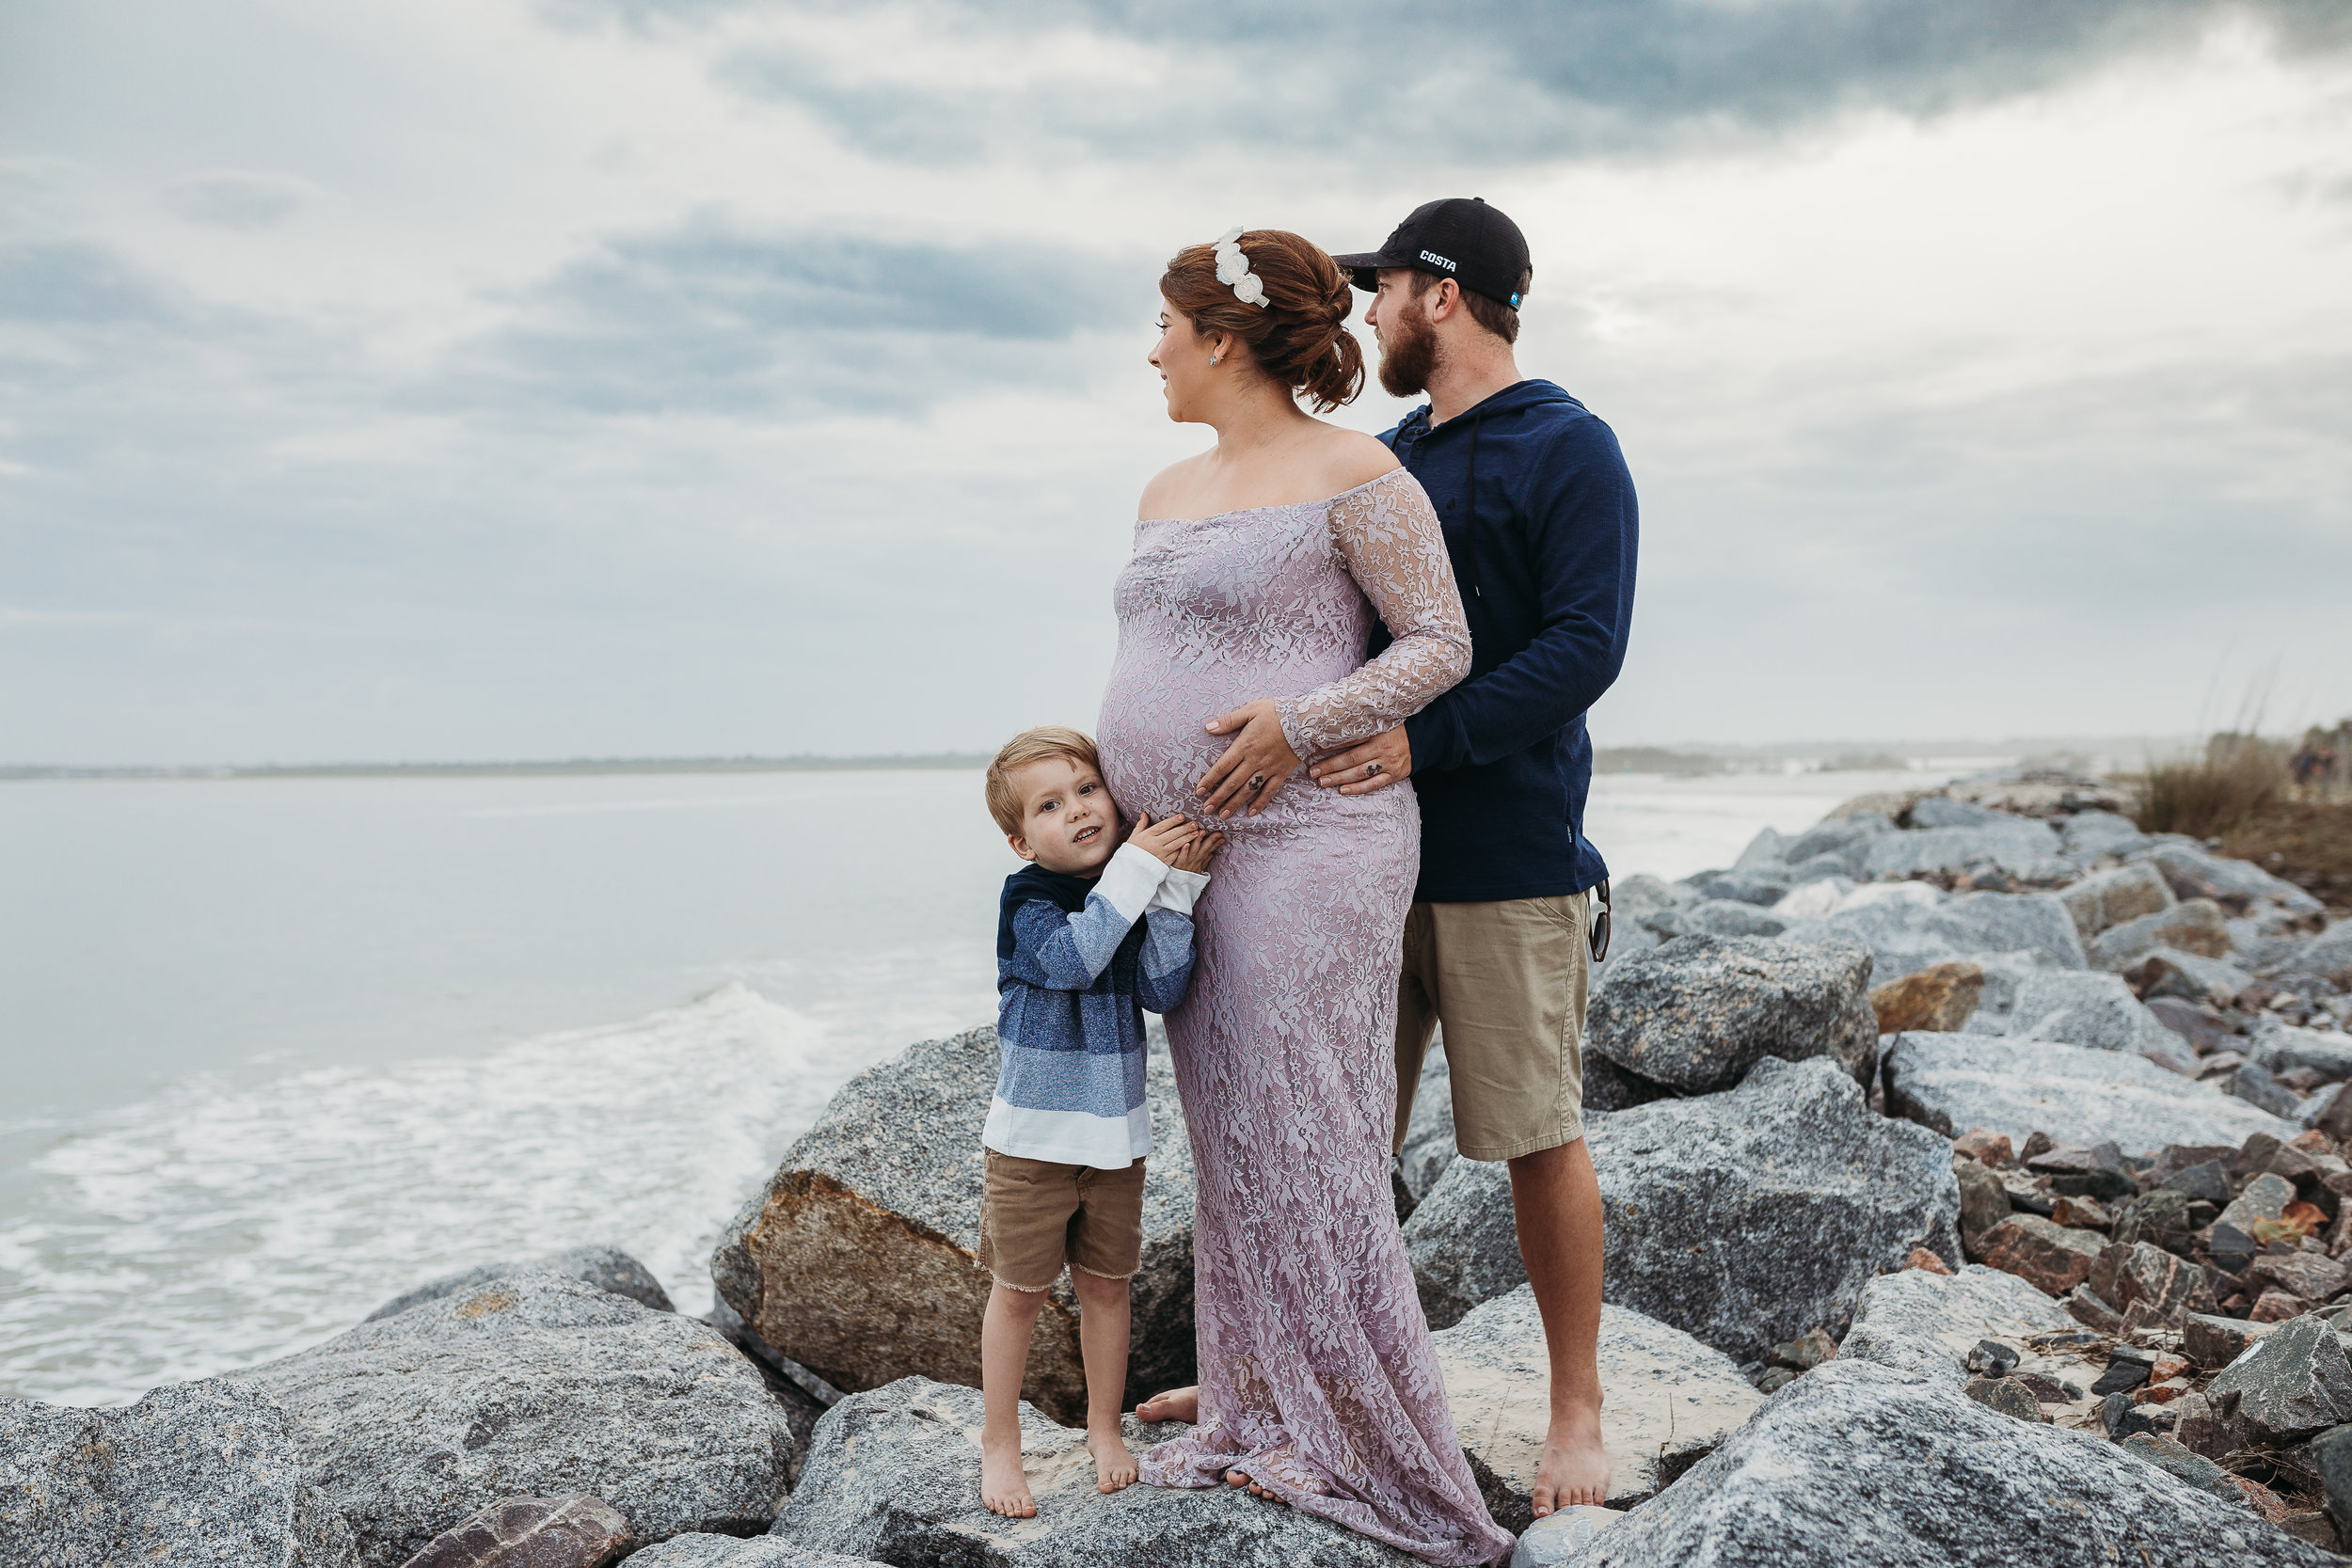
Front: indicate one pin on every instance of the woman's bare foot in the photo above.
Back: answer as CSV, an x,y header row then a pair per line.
x,y
1241,1477
1114,1463
1003,1487
1177,1405
1574,1468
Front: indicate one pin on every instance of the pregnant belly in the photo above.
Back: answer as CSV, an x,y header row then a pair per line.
x,y
1155,744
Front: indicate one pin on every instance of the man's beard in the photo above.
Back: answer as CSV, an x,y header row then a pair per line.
x,y
1408,352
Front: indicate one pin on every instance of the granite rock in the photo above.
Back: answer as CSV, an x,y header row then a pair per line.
x,y
195,1475
608,1267
1926,1324
2015,846
858,1259
1939,999
2108,898
575,1532
1743,1218
1858,1464
1760,885
2050,1256
2291,1384
2185,977
2282,1048
2076,1094
2327,957
1562,1538
2196,927
1610,1087
1840,835
728,1551
2237,886
1667,1400
1429,1131
1984,1202
1695,1014
1904,936
537,1384
2091,834
895,1476
2085,1007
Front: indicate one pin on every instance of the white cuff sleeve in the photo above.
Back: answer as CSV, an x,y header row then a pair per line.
x,y
1178,888
1129,881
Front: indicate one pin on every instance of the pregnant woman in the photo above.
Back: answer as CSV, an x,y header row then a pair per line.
x,y
1258,569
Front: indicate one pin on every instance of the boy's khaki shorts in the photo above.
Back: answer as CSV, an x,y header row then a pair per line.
x,y
1507,982
1036,1215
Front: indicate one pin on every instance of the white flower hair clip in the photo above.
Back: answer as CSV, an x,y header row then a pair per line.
x,y
1232,266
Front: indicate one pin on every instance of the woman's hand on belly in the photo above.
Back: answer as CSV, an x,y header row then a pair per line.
x,y
1254,767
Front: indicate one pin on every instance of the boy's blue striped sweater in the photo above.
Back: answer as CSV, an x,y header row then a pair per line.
x,y
1077,963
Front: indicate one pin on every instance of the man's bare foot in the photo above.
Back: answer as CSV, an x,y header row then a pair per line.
x,y
1003,1487
1114,1464
1177,1405
1574,1470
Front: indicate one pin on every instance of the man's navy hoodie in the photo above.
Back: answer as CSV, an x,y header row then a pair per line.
x,y
1545,558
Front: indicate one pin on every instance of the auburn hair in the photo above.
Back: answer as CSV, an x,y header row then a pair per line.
x,y
1039,745
1299,335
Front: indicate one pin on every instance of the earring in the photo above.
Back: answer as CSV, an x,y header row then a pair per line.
x,y
1213,359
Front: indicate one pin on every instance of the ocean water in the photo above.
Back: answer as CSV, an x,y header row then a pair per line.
x,y
273,1051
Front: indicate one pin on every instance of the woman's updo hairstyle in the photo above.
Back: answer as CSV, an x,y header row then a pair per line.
x,y
1300,337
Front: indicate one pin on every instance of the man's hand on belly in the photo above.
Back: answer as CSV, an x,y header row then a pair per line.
x,y
1376,764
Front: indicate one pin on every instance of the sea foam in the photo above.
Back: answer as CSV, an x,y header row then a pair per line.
x,y
214,1224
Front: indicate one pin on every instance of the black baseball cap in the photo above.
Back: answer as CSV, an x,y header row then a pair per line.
x,y
1461,238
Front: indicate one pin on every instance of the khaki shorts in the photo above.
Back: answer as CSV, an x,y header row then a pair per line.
x,y
1036,1215
1507,982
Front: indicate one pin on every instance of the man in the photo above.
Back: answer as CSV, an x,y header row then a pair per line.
x,y
1539,518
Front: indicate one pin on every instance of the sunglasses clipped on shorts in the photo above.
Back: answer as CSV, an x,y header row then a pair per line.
x,y
1597,930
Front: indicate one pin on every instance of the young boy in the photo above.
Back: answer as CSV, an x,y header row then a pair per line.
x,y
1092,932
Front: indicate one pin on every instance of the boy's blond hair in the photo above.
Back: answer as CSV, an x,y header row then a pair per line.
x,y
1038,745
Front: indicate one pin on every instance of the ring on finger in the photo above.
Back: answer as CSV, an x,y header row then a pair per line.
x,y
1257,783
1372,769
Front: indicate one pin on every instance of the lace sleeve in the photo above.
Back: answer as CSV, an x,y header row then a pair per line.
x,y
1388,535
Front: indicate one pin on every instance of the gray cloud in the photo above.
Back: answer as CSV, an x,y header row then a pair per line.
x,y
1520,81
72,282
237,199
710,316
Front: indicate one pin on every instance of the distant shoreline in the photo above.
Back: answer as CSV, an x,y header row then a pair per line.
x,y
574,765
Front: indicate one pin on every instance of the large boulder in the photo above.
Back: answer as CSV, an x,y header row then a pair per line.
x,y
1904,936
860,1260
1429,1134
1698,1012
196,1475
2014,846
1743,1218
1666,1401
2091,834
2289,1385
537,1385
608,1267
2076,1094
2326,956
1940,997
895,1476
2240,887
2111,898
1925,1323
2077,1007
1859,1464
2196,927
2282,1048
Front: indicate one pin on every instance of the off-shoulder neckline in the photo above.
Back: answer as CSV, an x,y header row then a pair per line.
x,y
1282,506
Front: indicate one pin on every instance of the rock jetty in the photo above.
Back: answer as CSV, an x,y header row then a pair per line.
x,y
1976,1173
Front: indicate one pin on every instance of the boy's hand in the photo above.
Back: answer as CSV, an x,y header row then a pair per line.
x,y
1165,839
1195,856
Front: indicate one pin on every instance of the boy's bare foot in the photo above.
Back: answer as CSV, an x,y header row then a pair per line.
x,y
1177,1405
1114,1464
1574,1468
1003,1487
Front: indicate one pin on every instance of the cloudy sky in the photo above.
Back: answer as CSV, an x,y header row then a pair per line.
x,y
503,378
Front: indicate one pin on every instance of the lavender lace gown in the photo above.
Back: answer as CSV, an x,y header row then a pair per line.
x,y
1317,1371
